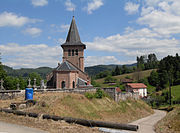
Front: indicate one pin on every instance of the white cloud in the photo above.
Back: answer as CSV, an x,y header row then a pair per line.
x,y
163,22
104,60
32,55
100,60
152,2
135,43
33,31
131,8
70,6
60,28
39,2
11,19
93,5
162,16
64,28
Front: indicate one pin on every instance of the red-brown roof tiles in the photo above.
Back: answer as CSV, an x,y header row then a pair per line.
x,y
136,85
118,89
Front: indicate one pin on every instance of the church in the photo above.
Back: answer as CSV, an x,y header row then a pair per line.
x,y
70,73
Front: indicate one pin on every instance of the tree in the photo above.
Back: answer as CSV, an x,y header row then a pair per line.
x,y
2,72
147,62
153,78
109,79
117,70
22,83
124,69
36,76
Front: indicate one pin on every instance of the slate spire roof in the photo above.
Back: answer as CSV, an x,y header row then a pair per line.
x,y
65,66
73,37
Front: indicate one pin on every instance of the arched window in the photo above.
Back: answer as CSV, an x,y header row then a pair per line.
x,y
76,51
73,84
69,52
73,52
63,84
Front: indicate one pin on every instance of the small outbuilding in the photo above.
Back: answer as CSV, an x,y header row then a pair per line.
x,y
139,88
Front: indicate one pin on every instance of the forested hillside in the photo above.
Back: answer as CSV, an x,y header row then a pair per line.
x,y
43,71
24,72
94,70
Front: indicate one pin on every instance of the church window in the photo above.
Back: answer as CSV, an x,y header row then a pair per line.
x,y
63,84
69,52
73,52
76,51
73,84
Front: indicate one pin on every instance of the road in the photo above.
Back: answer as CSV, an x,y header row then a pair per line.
x,y
13,128
146,125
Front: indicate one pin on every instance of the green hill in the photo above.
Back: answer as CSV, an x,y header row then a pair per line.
x,y
24,72
93,70
43,71
134,76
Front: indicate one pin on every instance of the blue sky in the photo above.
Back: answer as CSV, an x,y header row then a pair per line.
x,y
115,31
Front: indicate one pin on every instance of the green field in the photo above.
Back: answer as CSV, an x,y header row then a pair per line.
x,y
134,76
176,92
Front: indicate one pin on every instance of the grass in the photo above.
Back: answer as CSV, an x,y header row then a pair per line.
x,y
151,89
176,92
141,74
170,123
78,106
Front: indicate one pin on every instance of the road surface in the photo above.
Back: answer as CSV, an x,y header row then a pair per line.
x,y
146,125
13,128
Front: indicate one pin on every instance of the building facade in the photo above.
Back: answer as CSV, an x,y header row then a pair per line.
x,y
139,88
70,73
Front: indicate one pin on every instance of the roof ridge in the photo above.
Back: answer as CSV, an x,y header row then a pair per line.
x,y
67,65
76,67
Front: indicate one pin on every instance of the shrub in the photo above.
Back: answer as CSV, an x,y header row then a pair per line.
x,y
89,95
99,93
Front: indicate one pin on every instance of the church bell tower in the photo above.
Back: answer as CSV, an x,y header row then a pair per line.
x,y
73,48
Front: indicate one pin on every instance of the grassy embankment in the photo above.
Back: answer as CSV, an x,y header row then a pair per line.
x,y
170,123
78,106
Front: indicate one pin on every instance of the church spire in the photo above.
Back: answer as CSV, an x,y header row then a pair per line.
x,y
73,37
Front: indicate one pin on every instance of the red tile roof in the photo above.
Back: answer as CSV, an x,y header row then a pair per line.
x,y
137,85
118,89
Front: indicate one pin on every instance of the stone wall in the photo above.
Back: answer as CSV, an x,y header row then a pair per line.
x,y
124,96
10,94
117,96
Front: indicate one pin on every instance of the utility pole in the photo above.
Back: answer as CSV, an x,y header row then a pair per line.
x,y
170,93
170,84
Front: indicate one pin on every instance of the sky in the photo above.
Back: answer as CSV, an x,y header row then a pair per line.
x,y
114,31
